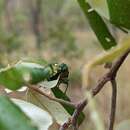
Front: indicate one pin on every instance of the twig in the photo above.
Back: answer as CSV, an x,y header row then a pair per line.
x,y
66,125
77,112
50,97
109,76
79,108
113,104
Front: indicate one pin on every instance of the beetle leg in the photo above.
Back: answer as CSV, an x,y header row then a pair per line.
x,y
67,85
58,84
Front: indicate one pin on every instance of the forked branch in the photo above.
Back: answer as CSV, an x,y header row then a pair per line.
x,y
108,77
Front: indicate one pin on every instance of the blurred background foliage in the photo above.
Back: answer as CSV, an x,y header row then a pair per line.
x,y
57,31
53,30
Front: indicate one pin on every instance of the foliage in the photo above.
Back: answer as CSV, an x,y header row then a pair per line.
x,y
98,26
43,79
32,73
13,116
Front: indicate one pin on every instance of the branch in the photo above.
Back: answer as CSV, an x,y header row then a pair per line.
x,y
77,112
50,97
113,104
73,121
66,125
109,76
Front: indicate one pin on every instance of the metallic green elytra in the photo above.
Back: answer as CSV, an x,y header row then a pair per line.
x,y
61,71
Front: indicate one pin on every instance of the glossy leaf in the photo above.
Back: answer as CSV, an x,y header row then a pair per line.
x,y
39,116
98,25
100,6
49,84
59,94
116,11
119,11
14,77
54,108
12,118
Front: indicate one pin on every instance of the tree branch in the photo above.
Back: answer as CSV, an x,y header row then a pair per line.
x,y
109,76
113,104
35,88
77,112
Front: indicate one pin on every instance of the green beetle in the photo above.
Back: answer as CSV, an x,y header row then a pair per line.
x,y
61,71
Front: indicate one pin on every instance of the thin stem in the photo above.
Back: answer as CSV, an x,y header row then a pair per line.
x,y
35,88
74,119
77,112
109,76
113,104
66,125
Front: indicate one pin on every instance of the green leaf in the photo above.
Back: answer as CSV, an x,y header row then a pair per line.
x,y
52,107
104,57
59,94
49,84
119,12
100,6
16,76
98,25
12,118
39,116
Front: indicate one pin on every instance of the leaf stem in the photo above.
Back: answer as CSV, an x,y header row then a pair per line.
x,y
61,101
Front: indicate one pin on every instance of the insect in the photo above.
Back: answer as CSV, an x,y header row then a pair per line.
x,y
41,71
61,71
